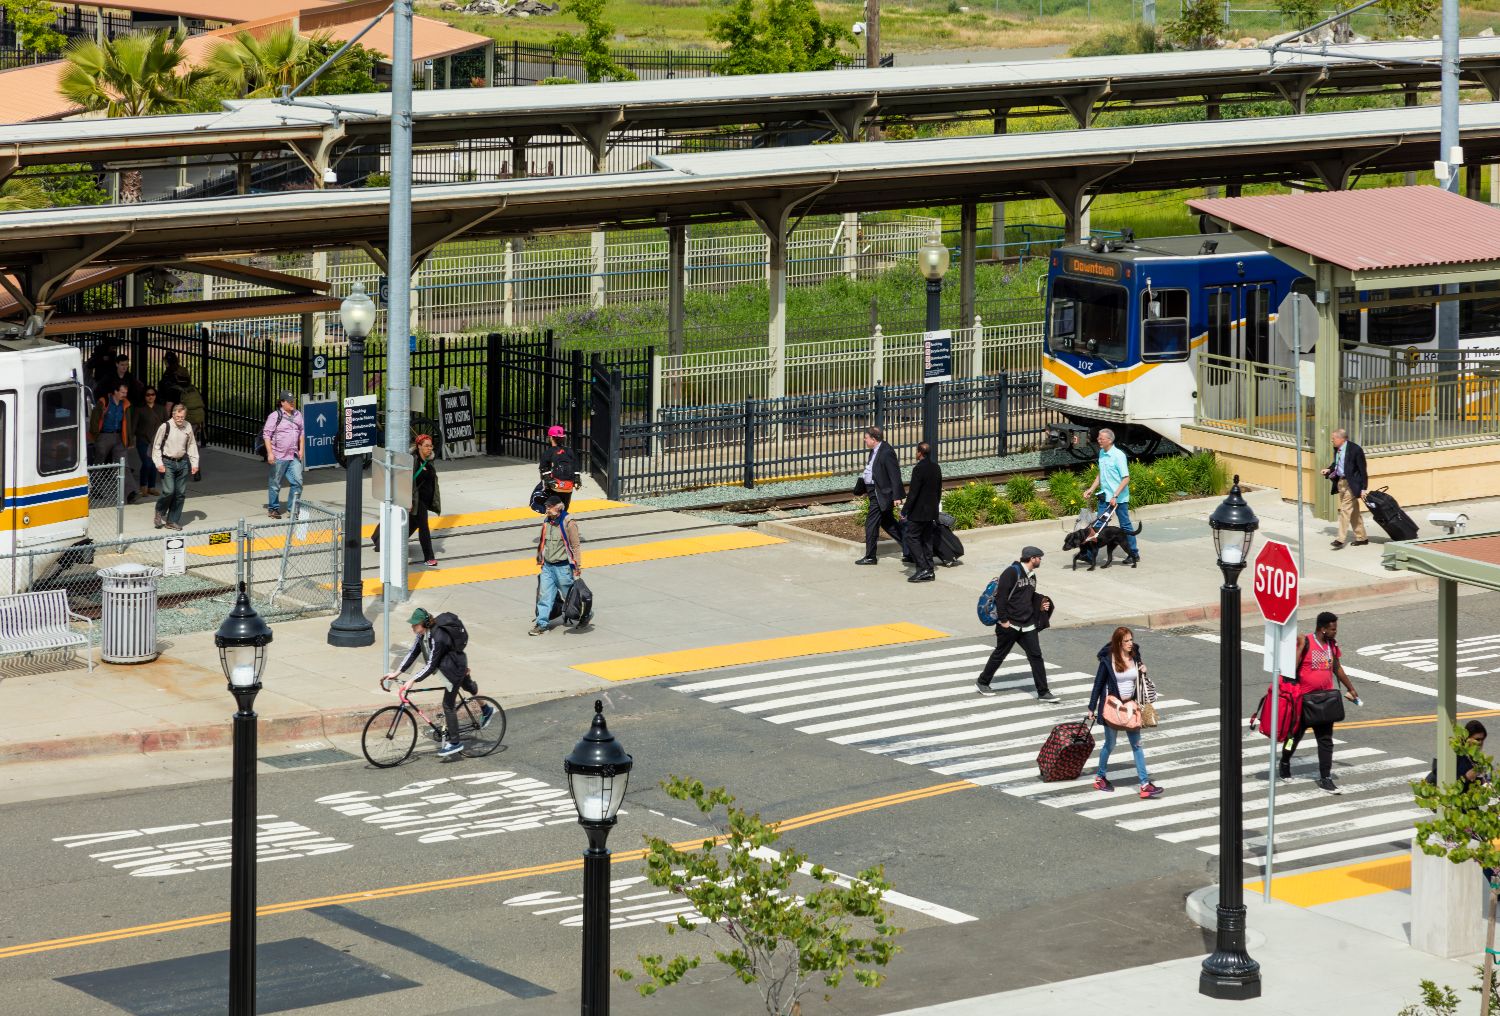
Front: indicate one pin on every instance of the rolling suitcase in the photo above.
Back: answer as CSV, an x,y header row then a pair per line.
x,y
949,547
1065,752
1389,515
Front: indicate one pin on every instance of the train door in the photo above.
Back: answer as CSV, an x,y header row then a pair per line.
x,y
1239,330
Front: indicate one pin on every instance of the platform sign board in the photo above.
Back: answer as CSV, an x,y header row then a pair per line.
x,y
320,426
174,556
319,366
937,357
361,424
456,409
1296,323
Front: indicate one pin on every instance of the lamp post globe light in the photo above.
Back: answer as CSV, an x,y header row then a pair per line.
x,y
598,771
1229,972
351,629
933,259
242,639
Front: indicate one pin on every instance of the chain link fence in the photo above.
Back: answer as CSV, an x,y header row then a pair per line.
x,y
107,501
291,569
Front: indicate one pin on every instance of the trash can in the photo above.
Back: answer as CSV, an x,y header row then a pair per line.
x,y
128,614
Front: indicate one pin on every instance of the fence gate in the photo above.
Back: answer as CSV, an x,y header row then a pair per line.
x,y
533,386
604,428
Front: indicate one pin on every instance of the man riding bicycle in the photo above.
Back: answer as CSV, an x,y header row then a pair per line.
x,y
442,640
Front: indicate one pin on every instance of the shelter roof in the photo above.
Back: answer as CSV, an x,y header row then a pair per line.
x,y
430,40
1473,559
231,11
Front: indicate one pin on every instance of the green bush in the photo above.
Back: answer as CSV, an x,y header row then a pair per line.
x,y
1020,489
1066,489
862,510
1210,477
1175,474
999,512
1146,487
1137,38
1038,510
967,503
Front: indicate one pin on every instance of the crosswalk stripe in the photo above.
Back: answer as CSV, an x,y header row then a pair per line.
x,y
988,714
826,668
973,757
963,675
957,686
859,678
1249,787
1285,818
957,737
1283,797
1397,816
1391,840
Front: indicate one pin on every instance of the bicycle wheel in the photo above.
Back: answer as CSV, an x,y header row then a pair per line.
x,y
480,741
390,735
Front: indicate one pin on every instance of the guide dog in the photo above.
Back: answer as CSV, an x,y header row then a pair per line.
x,y
1107,539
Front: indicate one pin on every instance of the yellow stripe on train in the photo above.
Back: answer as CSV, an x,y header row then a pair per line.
x,y
48,487
48,514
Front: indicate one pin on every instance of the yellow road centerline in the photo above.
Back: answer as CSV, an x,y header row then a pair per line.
x,y
459,882
1406,721
604,557
736,654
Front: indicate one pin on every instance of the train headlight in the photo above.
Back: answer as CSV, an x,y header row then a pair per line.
x,y
1111,400
1059,391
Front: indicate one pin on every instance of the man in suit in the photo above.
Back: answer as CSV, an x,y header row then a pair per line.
x,y
1350,481
923,499
882,481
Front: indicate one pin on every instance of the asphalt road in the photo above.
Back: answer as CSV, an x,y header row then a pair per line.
x,y
116,877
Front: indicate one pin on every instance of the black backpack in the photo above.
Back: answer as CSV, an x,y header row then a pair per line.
x,y
454,629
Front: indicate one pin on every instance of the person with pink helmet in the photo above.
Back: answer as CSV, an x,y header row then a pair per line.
x,y
559,467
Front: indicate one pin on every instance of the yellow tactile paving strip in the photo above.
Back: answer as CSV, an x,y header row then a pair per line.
x,y
524,567
436,523
1350,881
761,651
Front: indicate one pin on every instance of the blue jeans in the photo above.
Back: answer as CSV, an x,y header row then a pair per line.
x,y
174,489
290,471
148,468
557,579
1110,736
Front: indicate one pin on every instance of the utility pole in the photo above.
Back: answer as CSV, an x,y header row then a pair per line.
x,y
1448,139
872,33
398,251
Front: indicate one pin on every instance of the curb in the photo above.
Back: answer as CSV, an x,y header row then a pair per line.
x,y
1210,611
1202,909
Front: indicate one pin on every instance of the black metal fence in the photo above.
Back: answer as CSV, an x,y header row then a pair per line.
x,y
766,440
523,64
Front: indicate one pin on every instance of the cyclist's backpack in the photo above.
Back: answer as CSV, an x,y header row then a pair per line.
x,y
454,629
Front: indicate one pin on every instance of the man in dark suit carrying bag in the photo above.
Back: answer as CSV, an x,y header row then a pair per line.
x,y
881,480
922,502
1350,480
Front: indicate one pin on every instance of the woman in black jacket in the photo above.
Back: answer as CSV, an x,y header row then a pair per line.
x,y
1119,676
425,498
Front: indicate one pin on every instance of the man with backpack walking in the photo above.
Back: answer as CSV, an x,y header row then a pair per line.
x,y
286,451
442,641
1019,613
557,554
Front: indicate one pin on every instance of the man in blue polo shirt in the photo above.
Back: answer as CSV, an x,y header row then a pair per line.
x,y
1113,484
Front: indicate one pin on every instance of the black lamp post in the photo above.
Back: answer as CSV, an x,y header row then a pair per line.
x,y
933,259
598,771
242,641
1230,973
351,629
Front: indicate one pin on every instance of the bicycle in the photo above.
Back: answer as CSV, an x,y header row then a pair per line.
x,y
390,735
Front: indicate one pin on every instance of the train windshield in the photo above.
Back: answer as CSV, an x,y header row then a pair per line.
x,y
1088,319
58,420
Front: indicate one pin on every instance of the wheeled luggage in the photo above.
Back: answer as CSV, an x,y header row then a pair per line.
x,y
1065,752
1389,515
949,547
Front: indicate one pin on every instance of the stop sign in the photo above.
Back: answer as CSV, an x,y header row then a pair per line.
x,y
1276,582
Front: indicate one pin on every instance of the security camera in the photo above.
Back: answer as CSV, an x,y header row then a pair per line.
x,y
858,28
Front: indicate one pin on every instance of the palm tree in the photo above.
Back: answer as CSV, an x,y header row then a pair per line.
x,y
258,68
131,75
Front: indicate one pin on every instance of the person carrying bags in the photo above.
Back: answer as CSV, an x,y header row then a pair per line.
x,y
1121,698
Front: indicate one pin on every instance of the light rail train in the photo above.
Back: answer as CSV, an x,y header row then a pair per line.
x,y
42,453
1127,322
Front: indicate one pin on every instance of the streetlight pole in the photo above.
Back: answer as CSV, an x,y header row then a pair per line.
x,y
934,258
598,771
1229,972
242,639
351,629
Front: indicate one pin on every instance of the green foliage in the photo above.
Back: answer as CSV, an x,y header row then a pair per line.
x,y
1466,822
790,35
1210,477
353,74
1066,489
259,67
131,75
1174,474
999,512
762,930
591,46
1300,13
1408,17
35,23
1435,1002
558,81
1199,26
378,180
1133,38
1020,489
1146,487
1038,510
72,184
968,503
21,193
861,510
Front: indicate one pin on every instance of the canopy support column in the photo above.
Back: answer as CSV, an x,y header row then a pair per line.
x,y
968,230
997,210
1327,359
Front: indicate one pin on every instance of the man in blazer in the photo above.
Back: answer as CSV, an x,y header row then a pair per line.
x,y
881,480
922,502
1350,481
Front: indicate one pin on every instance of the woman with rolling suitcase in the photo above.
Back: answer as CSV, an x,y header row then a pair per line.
x,y
1318,663
1119,698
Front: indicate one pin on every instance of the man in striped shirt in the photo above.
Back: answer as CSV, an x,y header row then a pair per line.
x,y
174,452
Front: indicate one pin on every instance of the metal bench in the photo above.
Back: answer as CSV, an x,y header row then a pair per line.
x,y
33,622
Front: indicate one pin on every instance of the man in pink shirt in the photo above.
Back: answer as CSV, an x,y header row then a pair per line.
x,y
286,446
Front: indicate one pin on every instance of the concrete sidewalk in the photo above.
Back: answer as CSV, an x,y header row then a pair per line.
x,y
795,584
1310,963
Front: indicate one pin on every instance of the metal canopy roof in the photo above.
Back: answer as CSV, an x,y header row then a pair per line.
x,y
1473,559
1378,238
830,178
840,97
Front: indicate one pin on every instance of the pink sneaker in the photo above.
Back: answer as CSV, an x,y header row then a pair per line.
x,y
1100,783
432,563
1150,790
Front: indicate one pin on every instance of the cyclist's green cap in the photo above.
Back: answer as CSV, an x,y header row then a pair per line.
x,y
419,616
